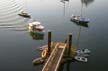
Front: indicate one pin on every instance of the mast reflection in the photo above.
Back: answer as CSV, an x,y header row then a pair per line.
x,y
64,7
87,2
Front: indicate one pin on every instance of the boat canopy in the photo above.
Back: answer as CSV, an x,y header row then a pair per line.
x,y
34,23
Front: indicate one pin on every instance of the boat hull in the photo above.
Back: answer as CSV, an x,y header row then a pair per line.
x,y
26,16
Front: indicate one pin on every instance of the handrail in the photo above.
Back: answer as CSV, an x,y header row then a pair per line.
x,y
52,57
60,57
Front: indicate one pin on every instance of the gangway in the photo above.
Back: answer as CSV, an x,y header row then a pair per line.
x,y
55,58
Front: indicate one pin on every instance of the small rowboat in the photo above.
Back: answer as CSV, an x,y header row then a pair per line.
x,y
84,51
80,58
24,14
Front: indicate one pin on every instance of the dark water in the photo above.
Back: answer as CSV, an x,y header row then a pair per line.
x,y
18,49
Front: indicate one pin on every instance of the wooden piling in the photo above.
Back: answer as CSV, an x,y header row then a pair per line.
x,y
69,43
49,42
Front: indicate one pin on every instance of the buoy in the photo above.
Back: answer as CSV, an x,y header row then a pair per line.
x,y
44,53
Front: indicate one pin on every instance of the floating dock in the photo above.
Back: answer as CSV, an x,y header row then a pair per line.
x,y
55,52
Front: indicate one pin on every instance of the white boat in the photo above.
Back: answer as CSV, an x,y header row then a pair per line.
x,y
80,58
36,27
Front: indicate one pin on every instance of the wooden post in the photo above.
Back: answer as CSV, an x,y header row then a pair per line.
x,y
49,42
69,43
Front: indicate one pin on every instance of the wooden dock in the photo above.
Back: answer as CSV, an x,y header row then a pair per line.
x,y
56,53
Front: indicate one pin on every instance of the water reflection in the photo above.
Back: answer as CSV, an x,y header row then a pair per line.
x,y
8,14
64,7
66,63
63,1
78,37
87,2
36,36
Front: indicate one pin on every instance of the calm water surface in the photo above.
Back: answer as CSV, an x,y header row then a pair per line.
x,y
18,49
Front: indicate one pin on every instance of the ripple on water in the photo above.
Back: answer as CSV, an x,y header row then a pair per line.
x,y
9,10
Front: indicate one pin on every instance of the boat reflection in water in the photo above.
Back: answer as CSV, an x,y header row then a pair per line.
x,y
37,36
87,2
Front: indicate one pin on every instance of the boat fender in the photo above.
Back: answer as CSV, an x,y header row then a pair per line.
x,y
44,53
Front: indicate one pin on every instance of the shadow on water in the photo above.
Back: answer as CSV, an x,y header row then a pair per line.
x,y
67,64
